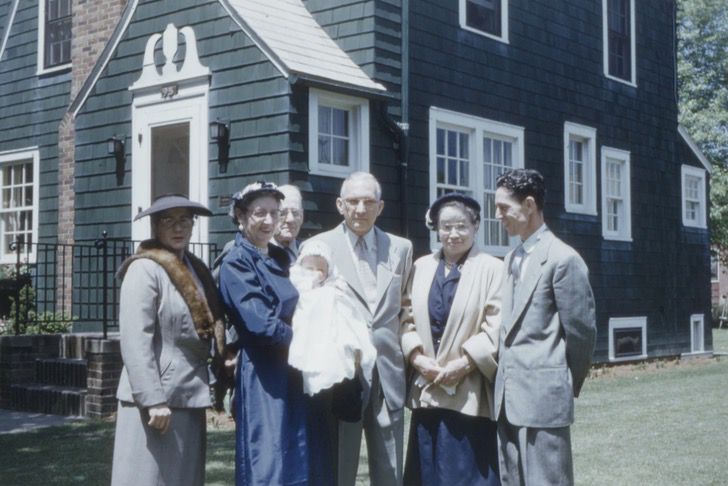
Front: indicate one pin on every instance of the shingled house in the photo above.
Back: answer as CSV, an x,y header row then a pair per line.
x,y
202,97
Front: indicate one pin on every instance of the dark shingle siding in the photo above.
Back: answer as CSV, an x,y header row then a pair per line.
x,y
31,107
551,72
246,90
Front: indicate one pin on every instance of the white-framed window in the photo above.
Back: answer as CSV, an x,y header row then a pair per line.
x,y
485,17
467,154
693,197
714,267
54,35
627,338
697,336
338,140
580,169
618,26
616,195
19,171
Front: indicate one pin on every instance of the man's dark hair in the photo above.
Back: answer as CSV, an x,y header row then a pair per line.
x,y
523,183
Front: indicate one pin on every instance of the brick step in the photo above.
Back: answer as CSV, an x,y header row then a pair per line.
x,y
50,399
61,372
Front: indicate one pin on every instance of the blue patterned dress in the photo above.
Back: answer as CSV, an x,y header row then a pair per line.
x,y
280,436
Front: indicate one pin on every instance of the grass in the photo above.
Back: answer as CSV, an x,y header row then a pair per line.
x,y
661,423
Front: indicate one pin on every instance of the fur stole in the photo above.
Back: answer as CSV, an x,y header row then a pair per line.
x,y
206,311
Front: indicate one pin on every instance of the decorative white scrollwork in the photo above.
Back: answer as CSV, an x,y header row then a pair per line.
x,y
191,67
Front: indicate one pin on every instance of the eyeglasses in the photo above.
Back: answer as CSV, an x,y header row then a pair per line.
x,y
369,204
460,228
184,222
260,214
283,213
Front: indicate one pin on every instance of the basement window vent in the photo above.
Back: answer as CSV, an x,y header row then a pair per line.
x,y
627,338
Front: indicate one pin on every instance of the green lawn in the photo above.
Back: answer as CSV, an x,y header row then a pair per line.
x,y
648,424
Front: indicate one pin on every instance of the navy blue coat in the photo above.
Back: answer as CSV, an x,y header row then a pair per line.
x,y
275,430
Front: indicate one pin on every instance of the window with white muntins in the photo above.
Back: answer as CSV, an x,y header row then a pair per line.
x,y
693,197
467,154
54,35
19,207
485,17
616,196
338,134
580,181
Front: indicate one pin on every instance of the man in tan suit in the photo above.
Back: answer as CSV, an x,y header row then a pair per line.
x,y
546,339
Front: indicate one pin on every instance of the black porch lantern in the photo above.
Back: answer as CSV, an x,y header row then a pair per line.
x,y
220,134
115,146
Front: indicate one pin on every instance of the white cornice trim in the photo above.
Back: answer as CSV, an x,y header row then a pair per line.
x,y
6,34
694,147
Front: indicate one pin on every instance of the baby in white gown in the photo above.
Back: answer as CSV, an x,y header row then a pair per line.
x,y
330,335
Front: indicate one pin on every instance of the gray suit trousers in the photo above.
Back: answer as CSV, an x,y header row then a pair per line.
x,y
384,431
531,456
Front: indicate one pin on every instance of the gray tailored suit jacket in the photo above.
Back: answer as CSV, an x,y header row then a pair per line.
x,y
164,359
546,337
394,264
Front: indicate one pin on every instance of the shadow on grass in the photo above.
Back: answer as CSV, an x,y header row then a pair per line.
x,y
81,454
74,454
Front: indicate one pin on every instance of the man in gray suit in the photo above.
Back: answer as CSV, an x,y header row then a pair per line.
x,y
546,339
376,266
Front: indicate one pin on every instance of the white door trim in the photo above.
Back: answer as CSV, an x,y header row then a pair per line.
x,y
147,114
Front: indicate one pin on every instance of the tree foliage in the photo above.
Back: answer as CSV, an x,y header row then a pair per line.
x,y
703,89
719,210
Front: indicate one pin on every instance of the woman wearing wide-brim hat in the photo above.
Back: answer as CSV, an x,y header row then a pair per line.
x,y
281,436
449,337
169,312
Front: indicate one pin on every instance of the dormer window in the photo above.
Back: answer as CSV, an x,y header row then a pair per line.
x,y
54,35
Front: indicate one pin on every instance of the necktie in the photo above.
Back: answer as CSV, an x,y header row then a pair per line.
x,y
516,262
367,271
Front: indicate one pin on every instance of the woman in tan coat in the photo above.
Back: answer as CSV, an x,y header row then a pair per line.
x,y
450,339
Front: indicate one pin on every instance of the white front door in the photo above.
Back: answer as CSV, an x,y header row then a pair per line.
x,y
169,156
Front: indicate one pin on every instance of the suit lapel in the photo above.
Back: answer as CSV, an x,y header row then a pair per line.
x,y
420,293
387,261
534,271
346,267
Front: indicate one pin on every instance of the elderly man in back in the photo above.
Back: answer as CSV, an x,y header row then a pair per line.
x,y
290,221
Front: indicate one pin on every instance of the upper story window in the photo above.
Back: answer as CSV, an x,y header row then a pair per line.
x,y
467,154
616,197
338,134
486,17
619,40
18,203
580,179
693,197
54,35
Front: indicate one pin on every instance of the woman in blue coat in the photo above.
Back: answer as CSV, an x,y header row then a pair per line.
x,y
280,434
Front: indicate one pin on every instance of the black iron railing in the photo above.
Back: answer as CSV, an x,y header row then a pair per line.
x,y
54,286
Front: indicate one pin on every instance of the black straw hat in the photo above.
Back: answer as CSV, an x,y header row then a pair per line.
x,y
171,201
432,213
